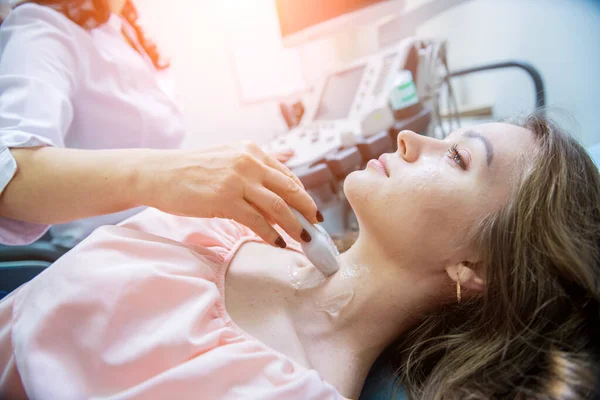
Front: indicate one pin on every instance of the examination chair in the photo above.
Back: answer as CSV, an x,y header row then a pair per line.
x,y
19,264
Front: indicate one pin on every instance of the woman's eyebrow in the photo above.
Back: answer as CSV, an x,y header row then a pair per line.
x,y
489,149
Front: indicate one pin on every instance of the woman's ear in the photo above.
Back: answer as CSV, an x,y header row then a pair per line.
x,y
466,273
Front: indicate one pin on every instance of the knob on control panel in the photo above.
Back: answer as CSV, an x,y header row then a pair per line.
x,y
314,176
347,139
376,145
344,161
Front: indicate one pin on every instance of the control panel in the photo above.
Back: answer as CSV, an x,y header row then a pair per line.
x,y
351,103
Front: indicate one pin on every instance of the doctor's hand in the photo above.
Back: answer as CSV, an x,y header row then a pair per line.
x,y
240,182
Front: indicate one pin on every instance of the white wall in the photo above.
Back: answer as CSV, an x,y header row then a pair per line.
x,y
194,34
559,37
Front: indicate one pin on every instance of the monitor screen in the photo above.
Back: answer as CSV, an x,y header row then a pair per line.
x,y
296,15
338,94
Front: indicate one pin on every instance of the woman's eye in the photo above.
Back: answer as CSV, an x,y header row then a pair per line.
x,y
456,157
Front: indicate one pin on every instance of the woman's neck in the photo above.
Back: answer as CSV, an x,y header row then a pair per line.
x,y
351,317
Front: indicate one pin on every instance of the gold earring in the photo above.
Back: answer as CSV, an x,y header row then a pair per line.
x,y
458,297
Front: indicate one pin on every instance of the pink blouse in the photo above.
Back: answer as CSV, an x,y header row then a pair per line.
x,y
137,312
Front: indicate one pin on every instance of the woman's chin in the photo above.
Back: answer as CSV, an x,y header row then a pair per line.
x,y
358,187
351,181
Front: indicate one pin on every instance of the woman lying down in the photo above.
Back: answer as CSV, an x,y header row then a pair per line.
x,y
476,272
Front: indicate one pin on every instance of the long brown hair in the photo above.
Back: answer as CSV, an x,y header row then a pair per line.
x,y
534,332
90,14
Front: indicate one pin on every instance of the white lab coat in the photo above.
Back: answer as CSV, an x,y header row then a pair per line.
x,y
61,85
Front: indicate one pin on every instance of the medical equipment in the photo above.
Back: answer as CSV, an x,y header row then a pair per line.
x,y
351,105
321,250
403,97
292,113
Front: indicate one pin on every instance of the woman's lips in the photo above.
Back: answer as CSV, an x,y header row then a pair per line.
x,y
383,162
377,165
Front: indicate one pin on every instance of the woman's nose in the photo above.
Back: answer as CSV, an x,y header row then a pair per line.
x,y
409,145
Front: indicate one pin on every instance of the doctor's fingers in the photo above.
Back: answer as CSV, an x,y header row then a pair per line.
x,y
292,193
271,161
279,179
275,209
249,216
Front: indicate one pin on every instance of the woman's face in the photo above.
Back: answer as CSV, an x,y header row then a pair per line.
x,y
418,204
